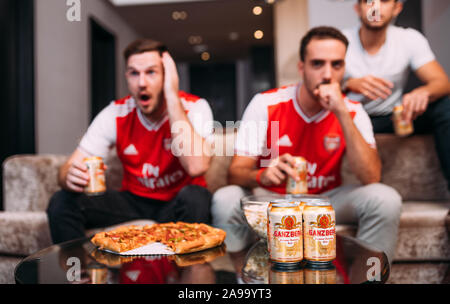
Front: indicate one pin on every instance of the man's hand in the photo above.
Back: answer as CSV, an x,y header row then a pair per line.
x,y
330,97
171,80
278,170
77,177
371,87
415,104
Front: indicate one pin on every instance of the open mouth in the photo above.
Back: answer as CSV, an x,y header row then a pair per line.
x,y
144,97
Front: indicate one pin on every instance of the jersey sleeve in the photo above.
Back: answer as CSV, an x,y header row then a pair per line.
x,y
101,134
364,125
421,52
251,136
201,117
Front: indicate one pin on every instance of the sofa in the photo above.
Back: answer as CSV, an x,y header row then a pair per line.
x,y
410,165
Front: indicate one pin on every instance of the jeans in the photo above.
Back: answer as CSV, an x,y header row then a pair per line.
x,y
70,213
435,120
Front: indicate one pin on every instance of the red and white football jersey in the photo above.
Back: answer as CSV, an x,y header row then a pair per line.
x,y
144,147
274,121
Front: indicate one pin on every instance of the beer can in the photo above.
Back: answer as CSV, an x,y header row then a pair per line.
x,y
96,171
288,276
303,199
319,232
401,126
98,274
301,186
284,233
320,276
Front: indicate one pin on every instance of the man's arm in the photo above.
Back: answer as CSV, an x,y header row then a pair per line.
x,y
436,85
195,154
363,159
73,174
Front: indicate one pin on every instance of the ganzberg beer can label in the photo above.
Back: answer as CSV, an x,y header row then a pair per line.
x,y
285,239
277,276
301,186
320,276
319,232
96,171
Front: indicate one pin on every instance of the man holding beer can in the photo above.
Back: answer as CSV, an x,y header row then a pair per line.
x,y
314,120
160,136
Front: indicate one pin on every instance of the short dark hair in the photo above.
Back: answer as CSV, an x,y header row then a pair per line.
x,y
143,45
321,32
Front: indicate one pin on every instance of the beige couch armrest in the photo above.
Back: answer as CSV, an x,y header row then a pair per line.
x,y
29,181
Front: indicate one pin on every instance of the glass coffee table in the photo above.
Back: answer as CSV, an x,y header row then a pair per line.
x,y
80,262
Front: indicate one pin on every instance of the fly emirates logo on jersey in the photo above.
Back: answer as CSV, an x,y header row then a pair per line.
x,y
151,179
317,181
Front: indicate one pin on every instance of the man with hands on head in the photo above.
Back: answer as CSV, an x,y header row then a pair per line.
x,y
160,135
315,120
379,59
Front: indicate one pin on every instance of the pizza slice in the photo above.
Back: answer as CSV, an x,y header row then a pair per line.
x,y
123,239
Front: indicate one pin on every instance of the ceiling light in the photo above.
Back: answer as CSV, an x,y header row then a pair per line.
x,y
195,39
257,10
176,15
233,36
205,56
258,34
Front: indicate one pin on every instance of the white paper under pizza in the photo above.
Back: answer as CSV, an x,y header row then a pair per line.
x,y
151,249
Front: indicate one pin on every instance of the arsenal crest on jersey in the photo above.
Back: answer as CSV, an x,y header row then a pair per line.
x,y
331,142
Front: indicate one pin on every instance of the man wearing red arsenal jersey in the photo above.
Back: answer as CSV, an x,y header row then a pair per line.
x,y
160,136
312,119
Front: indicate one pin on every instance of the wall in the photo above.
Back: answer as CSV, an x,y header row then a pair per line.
x,y
290,24
62,71
339,14
436,23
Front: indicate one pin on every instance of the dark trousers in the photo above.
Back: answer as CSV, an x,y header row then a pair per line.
x,y
435,120
69,213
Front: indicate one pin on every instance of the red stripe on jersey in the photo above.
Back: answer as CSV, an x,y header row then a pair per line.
x,y
276,89
122,101
188,97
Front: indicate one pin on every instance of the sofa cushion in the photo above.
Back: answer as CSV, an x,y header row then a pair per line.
x,y
23,233
7,266
411,166
29,181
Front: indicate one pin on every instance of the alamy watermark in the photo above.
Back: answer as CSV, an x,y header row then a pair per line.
x,y
374,272
250,139
373,14
74,11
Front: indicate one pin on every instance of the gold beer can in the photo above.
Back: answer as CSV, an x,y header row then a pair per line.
x,y
98,274
401,126
96,171
284,234
290,276
319,232
320,276
300,187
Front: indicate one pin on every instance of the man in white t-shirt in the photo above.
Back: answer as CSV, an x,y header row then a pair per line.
x,y
160,135
379,59
312,119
